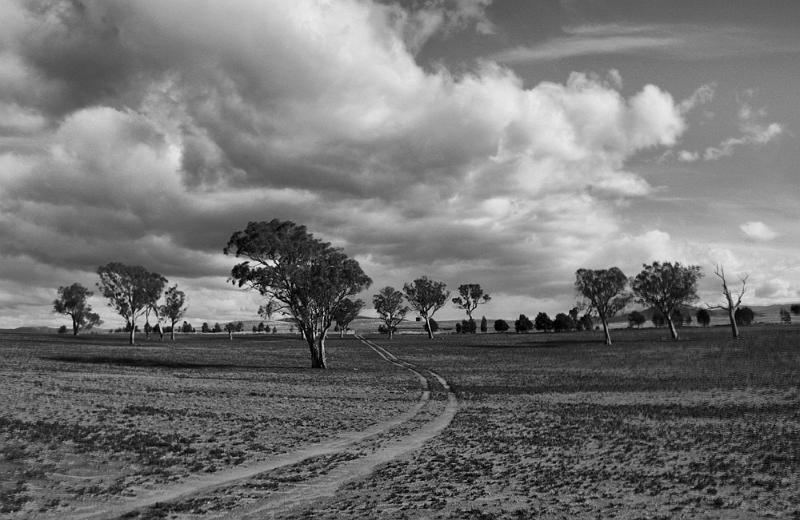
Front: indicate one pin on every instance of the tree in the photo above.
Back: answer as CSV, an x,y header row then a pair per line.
x,y
205,328
636,319
62,329
468,326
786,317
795,308
523,324
131,290
187,327
667,287
71,301
732,299
501,325
657,319
563,322
348,311
604,289
677,318
230,328
484,324
388,303
470,295
426,297
703,317
298,273
744,316
430,326
543,322
217,328
173,308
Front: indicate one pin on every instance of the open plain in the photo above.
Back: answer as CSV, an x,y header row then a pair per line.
x,y
464,426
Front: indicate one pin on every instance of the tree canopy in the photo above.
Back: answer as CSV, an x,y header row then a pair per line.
x,y
72,301
426,297
667,287
469,297
299,275
348,311
131,291
605,291
173,308
388,303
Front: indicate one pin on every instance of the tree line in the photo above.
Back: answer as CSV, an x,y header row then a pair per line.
x,y
314,283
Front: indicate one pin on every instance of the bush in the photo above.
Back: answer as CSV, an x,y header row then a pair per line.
x,y
484,324
501,325
543,322
563,323
62,329
744,316
703,317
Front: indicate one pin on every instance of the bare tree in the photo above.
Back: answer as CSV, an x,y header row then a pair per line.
x,y
733,299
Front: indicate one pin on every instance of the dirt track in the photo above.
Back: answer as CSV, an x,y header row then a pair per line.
x,y
345,458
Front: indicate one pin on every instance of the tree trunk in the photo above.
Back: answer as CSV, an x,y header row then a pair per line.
x,y
74,327
672,329
732,318
391,332
130,334
428,327
317,347
605,331
172,331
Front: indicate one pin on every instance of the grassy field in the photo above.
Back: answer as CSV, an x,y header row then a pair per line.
x,y
548,425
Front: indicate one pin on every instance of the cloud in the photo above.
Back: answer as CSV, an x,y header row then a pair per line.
x,y
754,132
189,127
676,41
758,231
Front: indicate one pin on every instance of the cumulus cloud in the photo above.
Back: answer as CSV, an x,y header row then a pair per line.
x,y
147,132
758,231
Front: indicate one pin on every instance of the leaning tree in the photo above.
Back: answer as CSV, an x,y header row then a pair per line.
x,y
72,302
605,291
733,299
300,274
131,290
667,287
173,308
426,296
389,305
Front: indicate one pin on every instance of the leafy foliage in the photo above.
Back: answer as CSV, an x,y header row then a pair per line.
x,y
542,321
174,307
604,289
563,322
131,290
388,303
469,297
303,276
72,302
484,324
703,317
744,316
426,297
501,325
636,319
667,287
348,311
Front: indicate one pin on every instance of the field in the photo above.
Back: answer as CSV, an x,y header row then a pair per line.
x,y
539,425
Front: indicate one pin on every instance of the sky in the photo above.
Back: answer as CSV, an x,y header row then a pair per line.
x,y
506,143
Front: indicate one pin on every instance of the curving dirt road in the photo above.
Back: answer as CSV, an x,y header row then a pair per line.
x,y
353,455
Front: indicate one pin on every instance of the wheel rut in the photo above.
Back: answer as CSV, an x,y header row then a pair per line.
x,y
346,458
